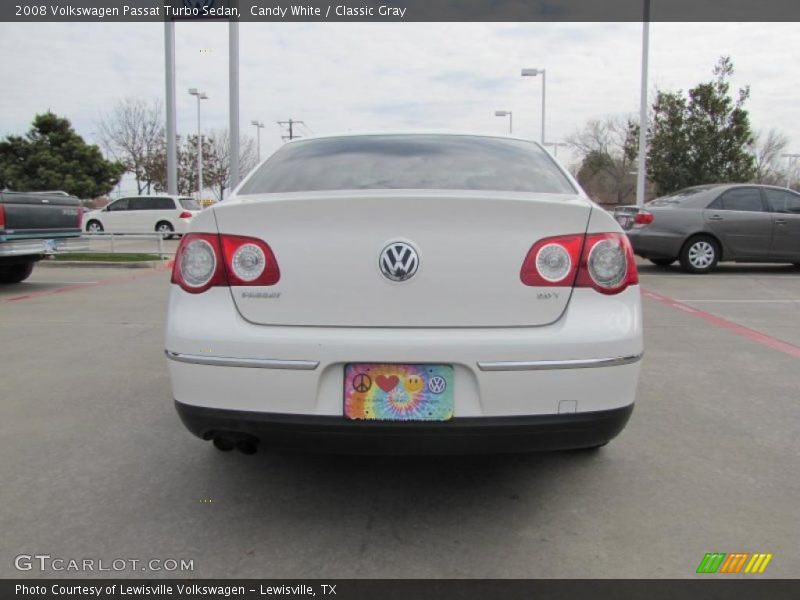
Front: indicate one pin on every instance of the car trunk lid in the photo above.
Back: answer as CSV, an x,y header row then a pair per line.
x,y
470,247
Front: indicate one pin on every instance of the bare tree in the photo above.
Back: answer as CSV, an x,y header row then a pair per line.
x,y
133,133
608,157
217,169
767,149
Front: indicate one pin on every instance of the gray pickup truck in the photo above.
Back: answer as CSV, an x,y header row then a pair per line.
x,y
34,225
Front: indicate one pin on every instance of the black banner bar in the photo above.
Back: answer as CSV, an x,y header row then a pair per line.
x,y
398,10
712,588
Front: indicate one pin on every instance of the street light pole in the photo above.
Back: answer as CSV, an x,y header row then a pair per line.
x,y
233,100
200,96
259,126
543,73
510,115
169,60
641,176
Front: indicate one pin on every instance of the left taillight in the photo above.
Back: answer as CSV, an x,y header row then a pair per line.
x,y
2,217
80,217
206,260
198,263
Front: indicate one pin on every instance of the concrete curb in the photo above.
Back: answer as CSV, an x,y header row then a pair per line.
x,y
139,264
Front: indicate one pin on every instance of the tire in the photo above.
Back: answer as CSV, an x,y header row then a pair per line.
x,y
662,262
16,272
700,254
94,227
165,228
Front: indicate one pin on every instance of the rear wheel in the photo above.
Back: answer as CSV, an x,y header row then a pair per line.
x,y
662,262
94,227
700,254
165,228
16,272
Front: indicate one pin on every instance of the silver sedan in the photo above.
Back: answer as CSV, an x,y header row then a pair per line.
x,y
702,225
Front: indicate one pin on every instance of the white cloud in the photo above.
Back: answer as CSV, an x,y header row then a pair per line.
x,y
338,77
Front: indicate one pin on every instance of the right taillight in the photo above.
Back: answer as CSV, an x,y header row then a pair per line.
x,y
643,218
206,260
602,261
2,217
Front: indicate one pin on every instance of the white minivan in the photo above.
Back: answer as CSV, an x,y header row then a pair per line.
x,y
144,214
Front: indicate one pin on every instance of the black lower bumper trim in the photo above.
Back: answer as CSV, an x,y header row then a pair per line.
x,y
457,436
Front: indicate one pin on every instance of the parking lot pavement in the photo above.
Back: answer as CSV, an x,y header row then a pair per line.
x,y
95,463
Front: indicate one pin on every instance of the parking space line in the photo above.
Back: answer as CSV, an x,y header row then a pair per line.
x,y
740,301
84,285
48,282
752,334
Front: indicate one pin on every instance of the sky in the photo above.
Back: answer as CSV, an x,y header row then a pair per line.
x,y
341,77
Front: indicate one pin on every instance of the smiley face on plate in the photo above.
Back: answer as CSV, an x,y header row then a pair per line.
x,y
413,383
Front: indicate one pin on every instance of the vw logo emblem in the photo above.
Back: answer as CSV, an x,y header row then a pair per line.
x,y
399,261
437,384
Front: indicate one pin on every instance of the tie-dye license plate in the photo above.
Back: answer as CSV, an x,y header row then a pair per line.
x,y
392,392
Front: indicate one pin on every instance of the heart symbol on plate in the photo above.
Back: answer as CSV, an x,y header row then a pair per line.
x,y
387,384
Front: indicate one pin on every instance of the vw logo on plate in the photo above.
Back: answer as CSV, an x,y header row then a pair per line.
x,y
399,261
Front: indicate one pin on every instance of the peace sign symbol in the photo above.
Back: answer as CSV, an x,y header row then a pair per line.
x,y
362,382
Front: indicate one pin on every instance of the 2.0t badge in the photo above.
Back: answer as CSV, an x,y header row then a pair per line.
x,y
399,261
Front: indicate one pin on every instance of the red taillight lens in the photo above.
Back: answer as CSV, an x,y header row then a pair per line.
x,y
80,217
552,261
249,261
198,263
602,261
643,218
2,217
206,260
185,215
607,263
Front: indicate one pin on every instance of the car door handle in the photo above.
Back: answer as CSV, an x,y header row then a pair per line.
x,y
715,218
780,221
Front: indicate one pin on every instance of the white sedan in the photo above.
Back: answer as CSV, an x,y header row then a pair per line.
x,y
405,293
144,214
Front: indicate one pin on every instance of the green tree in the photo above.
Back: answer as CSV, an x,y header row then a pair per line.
x,y
51,156
704,137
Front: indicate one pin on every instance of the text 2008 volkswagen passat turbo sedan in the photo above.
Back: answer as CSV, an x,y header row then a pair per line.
x,y
405,294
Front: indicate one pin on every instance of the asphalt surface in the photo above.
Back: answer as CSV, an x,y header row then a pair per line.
x,y
95,464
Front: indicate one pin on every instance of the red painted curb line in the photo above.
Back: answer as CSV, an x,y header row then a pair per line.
x,y
80,286
751,334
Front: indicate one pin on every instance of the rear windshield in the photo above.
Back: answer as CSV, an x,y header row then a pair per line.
x,y
190,204
426,162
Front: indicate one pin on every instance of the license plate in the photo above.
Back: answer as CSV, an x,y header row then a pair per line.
x,y
394,392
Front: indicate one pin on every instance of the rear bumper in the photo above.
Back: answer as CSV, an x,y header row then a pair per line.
x,y
336,434
42,247
654,244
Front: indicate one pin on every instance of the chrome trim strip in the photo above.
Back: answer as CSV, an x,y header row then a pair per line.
x,y
545,365
250,363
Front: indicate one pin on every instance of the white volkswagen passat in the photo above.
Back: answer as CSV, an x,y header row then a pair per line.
x,y
405,293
